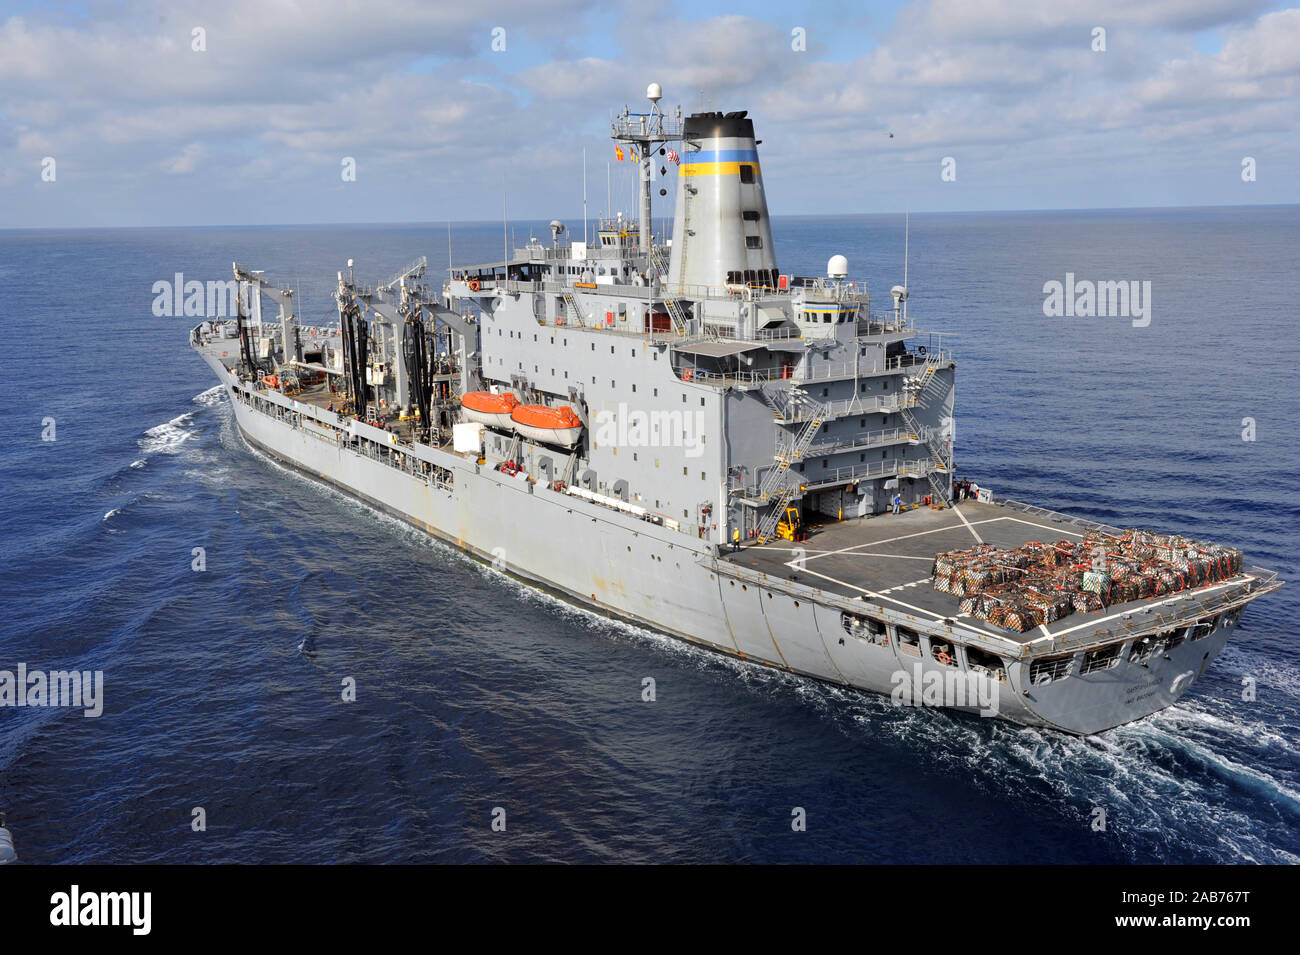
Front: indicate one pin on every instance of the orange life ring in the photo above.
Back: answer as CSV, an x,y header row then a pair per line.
x,y
473,285
688,374
943,658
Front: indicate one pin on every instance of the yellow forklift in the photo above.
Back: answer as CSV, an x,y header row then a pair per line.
x,y
790,527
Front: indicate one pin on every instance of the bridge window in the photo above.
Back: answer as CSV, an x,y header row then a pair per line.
x,y
746,173
750,215
754,242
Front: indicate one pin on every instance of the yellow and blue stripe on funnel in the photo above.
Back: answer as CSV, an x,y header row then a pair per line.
x,y
718,162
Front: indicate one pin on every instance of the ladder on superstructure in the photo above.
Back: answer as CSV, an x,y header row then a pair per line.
x,y
777,487
940,452
674,310
575,314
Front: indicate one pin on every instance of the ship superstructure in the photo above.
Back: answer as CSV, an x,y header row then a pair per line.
x,y
653,428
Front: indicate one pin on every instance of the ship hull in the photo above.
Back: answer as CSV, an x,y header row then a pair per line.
x,y
673,584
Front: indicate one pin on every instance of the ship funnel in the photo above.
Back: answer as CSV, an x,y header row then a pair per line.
x,y
721,231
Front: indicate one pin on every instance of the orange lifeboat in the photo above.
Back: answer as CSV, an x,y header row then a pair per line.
x,y
549,425
489,409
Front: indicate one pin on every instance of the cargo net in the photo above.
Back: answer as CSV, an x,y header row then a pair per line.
x,y
1038,583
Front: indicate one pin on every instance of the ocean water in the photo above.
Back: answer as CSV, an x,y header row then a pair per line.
x,y
222,689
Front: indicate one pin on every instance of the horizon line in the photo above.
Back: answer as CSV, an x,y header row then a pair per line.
x,y
813,215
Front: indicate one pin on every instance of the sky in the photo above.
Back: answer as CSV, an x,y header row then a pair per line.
x,y
181,113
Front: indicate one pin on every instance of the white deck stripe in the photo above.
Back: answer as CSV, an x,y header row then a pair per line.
x,y
1144,607
933,530
969,526
928,613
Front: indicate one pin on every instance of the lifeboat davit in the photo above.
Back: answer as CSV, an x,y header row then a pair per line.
x,y
557,425
489,409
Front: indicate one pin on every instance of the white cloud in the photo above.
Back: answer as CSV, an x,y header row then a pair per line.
x,y
185,162
435,119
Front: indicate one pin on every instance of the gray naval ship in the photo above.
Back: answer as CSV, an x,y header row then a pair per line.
x,y
679,435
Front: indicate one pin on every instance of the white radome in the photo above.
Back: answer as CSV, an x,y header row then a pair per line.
x,y
654,92
837,267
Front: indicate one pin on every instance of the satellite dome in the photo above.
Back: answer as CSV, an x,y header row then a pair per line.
x,y
654,92
837,267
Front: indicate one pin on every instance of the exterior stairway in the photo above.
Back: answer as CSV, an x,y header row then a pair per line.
x,y
659,257
777,487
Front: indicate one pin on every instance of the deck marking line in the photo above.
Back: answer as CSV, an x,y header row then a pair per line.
x,y
928,613
970,527
890,540
1144,607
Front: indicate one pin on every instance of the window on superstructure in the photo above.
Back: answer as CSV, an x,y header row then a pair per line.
x,y
753,242
746,173
750,215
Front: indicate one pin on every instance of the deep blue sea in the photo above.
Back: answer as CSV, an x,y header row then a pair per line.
x,y
223,688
